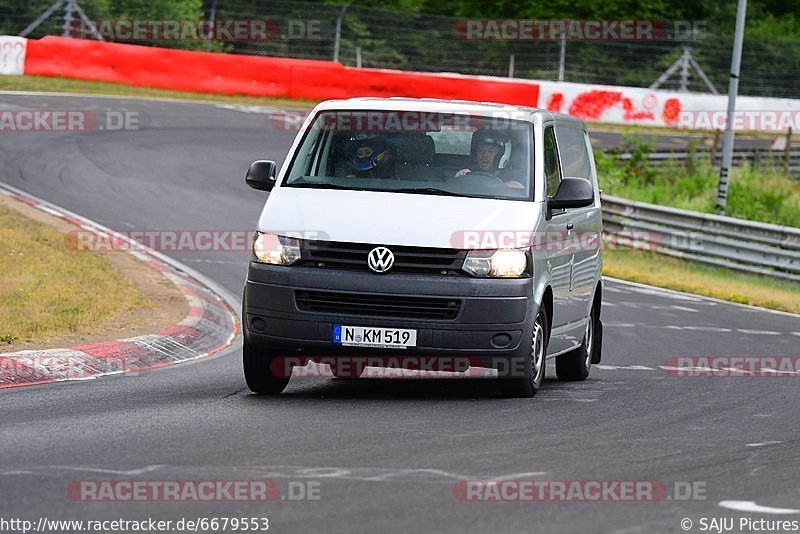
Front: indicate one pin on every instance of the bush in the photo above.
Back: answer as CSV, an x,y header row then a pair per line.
x,y
760,194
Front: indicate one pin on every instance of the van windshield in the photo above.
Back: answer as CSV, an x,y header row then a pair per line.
x,y
415,152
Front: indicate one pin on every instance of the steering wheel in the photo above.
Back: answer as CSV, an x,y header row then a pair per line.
x,y
481,174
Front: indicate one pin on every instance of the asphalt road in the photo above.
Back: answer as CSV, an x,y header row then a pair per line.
x,y
386,454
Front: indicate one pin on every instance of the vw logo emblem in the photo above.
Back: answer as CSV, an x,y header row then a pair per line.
x,y
380,259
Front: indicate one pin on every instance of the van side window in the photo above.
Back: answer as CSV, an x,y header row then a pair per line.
x,y
552,169
574,154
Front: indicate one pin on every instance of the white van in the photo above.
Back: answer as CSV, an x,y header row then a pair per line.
x,y
425,233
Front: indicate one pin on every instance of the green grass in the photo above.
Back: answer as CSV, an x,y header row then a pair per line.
x,y
66,85
50,290
672,273
760,194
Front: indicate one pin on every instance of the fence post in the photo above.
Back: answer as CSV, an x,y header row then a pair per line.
x,y
337,40
511,66
787,151
68,10
358,57
685,70
212,18
714,148
562,54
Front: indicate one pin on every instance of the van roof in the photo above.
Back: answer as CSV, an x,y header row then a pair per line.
x,y
436,105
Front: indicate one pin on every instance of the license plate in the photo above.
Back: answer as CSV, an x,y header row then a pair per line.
x,y
369,336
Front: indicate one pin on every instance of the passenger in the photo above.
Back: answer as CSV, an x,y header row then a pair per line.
x,y
370,157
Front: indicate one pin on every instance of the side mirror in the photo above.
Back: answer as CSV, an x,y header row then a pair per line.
x,y
572,193
261,175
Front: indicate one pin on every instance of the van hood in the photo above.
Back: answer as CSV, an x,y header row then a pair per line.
x,y
389,218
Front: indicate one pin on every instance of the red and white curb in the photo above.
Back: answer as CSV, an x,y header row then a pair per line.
x,y
210,326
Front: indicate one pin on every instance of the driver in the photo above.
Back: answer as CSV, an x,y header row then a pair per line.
x,y
488,148
370,157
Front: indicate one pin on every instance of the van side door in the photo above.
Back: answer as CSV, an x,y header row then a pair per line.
x,y
586,223
553,244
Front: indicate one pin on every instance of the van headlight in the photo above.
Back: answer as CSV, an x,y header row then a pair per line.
x,y
503,263
276,249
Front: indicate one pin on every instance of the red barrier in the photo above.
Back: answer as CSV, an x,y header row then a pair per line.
x,y
252,75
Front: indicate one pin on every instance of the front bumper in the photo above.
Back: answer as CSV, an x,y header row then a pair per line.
x,y
494,319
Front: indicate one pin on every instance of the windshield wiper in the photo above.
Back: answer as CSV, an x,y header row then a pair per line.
x,y
426,191
419,190
316,185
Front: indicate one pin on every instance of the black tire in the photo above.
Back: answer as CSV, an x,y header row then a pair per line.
x,y
597,354
575,365
532,368
258,372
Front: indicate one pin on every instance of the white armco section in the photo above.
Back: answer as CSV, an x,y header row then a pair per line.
x,y
12,54
634,105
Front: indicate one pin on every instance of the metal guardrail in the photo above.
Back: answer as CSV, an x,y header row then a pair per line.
x,y
757,157
747,246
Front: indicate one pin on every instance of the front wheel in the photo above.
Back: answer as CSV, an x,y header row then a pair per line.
x,y
527,377
575,365
258,372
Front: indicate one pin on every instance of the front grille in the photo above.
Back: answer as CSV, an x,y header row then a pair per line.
x,y
406,259
377,305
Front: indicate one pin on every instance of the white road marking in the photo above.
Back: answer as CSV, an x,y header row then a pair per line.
x,y
684,369
751,506
709,301
684,308
624,367
768,370
718,329
611,289
380,474
128,472
244,108
707,328
758,332
375,474
644,290
763,443
796,333
735,370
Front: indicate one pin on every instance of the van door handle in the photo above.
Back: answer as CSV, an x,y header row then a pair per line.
x,y
570,226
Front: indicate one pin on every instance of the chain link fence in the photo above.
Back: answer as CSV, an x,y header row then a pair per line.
x,y
380,38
